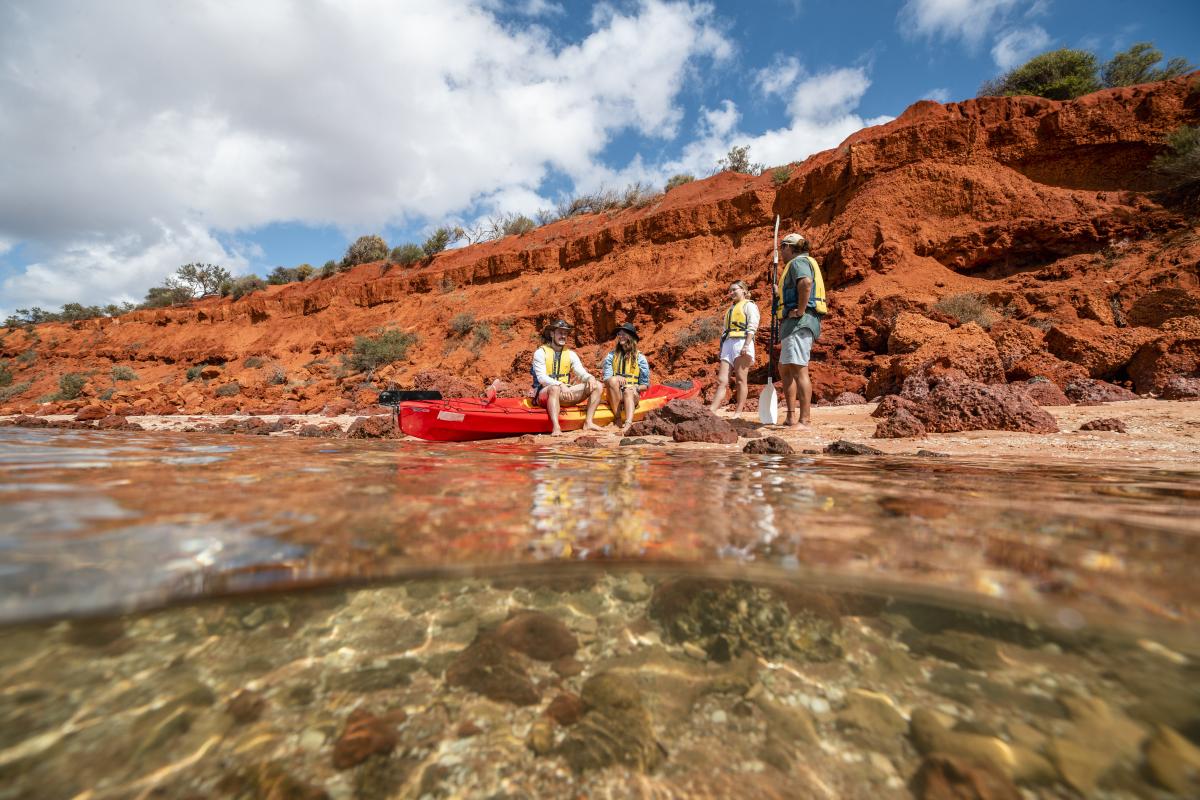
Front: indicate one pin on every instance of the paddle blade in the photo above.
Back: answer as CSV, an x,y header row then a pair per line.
x,y
768,405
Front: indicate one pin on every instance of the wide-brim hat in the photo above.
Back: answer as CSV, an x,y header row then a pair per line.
x,y
558,324
626,327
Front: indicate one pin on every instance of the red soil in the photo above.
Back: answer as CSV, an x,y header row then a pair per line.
x,y
1048,209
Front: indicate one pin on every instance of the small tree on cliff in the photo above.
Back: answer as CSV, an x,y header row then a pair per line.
x,y
1182,163
738,160
200,278
1136,65
440,239
365,250
1058,75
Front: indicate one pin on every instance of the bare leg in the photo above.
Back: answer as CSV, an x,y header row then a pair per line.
x,y
788,373
722,384
805,387
630,402
741,368
552,394
593,403
612,387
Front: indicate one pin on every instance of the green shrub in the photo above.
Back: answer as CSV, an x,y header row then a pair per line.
x,y
167,295
6,376
365,250
253,362
969,307
780,176
202,278
1058,75
595,203
638,195
369,353
229,389
107,395
70,385
277,377
123,373
439,240
329,269
304,272
1136,65
194,372
701,330
545,216
73,312
483,335
738,160
678,180
247,284
16,390
1182,163
282,275
407,254
462,324
447,285
28,357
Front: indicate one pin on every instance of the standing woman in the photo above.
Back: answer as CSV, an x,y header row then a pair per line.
x,y
737,345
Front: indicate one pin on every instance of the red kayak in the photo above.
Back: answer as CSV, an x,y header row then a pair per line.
x,y
468,419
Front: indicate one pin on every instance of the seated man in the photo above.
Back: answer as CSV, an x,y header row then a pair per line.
x,y
626,373
554,367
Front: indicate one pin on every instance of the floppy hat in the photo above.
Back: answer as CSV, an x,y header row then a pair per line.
x,y
626,327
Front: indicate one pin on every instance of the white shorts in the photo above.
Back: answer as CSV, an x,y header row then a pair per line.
x,y
731,347
797,348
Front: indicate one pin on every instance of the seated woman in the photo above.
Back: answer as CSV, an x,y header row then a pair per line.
x,y
626,373
737,345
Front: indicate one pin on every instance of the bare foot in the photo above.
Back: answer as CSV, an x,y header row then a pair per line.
x,y
591,426
625,430
556,432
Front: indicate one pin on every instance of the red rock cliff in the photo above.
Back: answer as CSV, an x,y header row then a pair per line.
x,y
1046,209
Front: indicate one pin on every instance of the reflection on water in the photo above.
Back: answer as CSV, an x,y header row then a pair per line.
x,y
600,623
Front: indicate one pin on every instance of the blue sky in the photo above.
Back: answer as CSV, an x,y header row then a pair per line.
x,y
143,136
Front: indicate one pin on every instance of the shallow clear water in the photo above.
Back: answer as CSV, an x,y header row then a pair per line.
x,y
791,626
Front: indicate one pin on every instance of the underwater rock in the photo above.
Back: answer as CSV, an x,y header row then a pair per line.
x,y
965,649
931,734
364,735
489,668
1106,424
268,780
246,706
565,709
1080,766
617,728
771,445
631,441
632,587
541,736
842,447
874,714
537,635
1173,762
725,619
944,777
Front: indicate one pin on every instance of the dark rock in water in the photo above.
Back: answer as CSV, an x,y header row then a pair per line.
x,y
1105,424
843,447
727,618
537,635
377,427
965,649
931,454
943,777
246,706
712,430
589,442
567,667
769,445
95,632
616,730
489,668
1181,388
364,736
630,441
397,672
1089,391
810,452
1173,762
565,709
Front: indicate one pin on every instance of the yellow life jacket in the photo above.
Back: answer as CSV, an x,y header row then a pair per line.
x,y
785,296
735,321
558,365
626,367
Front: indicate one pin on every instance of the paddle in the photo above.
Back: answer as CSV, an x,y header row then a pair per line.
x,y
768,403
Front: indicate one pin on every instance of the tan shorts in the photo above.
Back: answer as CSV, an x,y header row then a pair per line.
x,y
569,396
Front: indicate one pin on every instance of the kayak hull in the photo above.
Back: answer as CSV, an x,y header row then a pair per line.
x,y
472,419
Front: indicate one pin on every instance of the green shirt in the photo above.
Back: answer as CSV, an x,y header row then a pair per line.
x,y
797,270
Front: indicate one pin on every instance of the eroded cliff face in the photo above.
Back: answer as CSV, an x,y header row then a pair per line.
x,y
1048,209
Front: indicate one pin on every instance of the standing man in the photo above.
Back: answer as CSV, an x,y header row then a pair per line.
x,y
800,303
554,367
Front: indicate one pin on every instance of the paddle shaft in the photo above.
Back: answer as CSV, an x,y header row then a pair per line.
x,y
771,279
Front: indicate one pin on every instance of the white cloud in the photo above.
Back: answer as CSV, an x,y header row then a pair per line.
x,y
1015,47
779,77
969,20
940,94
225,117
